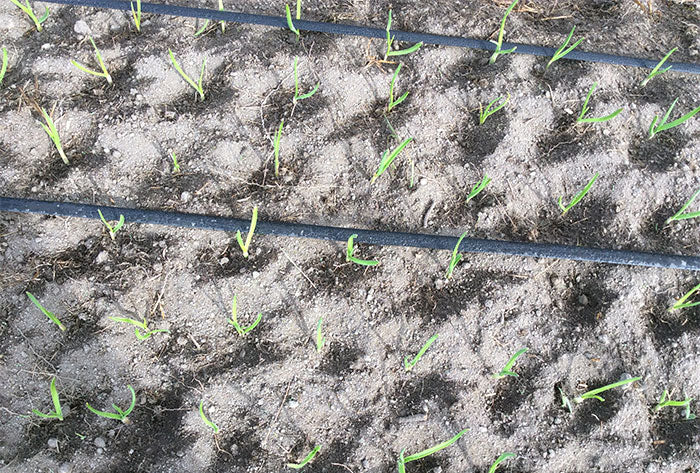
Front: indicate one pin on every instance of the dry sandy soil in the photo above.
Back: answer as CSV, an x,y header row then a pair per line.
x,y
273,396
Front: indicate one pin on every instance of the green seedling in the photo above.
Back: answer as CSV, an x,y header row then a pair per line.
x,y
195,85
26,8
51,130
139,326
320,339
213,426
662,125
136,14
52,317
246,246
290,23
478,187
456,257
351,250
390,41
298,97
298,9
594,394
503,457
276,147
388,158
119,415
682,304
57,413
307,459
223,23
112,229
508,368
657,71
484,113
499,43
577,198
234,319
684,216
410,364
104,72
3,70
393,103
663,402
565,402
584,110
417,456
176,165
563,50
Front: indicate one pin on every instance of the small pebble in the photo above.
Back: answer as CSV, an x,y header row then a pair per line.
x,y
100,442
186,196
116,154
102,257
583,299
81,28
53,443
223,261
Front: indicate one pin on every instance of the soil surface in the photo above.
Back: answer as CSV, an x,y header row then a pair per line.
x,y
273,396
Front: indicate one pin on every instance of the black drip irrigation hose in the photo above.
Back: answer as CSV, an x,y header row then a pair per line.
x,y
320,232
368,32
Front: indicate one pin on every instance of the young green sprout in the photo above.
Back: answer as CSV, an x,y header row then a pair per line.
x,y
3,69
320,339
663,402
565,402
584,110
112,229
246,246
276,147
684,216
503,457
57,413
223,23
51,130
139,326
408,365
508,368
478,187
662,125
195,85
390,40
388,158
298,97
563,50
26,8
578,197
120,414
104,72
657,71
290,23
417,456
52,317
234,319
484,113
176,165
499,43
307,459
682,304
456,257
213,426
351,250
393,103
594,393
136,14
